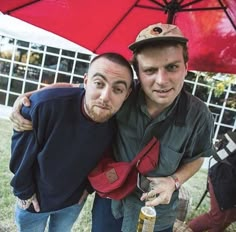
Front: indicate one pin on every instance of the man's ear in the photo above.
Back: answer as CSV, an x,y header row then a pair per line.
x,y
85,80
186,65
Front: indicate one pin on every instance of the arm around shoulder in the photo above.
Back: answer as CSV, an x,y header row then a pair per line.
x,y
18,121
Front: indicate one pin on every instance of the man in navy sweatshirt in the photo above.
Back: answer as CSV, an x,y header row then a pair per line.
x,y
72,128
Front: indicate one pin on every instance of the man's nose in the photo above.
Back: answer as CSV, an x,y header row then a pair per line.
x,y
161,77
106,94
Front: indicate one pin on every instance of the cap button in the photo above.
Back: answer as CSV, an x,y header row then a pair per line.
x,y
157,30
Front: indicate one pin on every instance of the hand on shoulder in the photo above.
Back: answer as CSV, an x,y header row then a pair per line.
x,y
19,123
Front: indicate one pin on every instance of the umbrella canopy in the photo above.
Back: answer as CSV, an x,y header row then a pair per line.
x,y
111,25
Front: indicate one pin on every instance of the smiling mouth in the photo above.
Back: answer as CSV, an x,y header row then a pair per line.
x,y
162,91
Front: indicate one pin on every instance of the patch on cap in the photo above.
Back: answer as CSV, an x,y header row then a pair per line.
x,y
158,32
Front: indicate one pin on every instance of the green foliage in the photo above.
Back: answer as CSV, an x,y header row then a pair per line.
x,y
218,81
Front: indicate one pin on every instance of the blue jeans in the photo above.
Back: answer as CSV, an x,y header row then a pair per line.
x,y
59,220
103,219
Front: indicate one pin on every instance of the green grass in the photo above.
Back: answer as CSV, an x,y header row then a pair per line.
x,y
6,198
196,186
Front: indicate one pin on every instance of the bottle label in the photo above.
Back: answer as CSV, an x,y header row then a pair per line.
x,y
147,218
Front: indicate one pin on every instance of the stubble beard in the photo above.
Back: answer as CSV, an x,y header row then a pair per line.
x,y
95,114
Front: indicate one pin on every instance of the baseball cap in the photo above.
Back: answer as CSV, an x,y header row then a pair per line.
x,y
158,32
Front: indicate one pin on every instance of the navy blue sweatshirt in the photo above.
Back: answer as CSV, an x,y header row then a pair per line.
x,y
55,158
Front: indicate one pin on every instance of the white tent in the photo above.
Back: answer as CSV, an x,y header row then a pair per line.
x,y
18,29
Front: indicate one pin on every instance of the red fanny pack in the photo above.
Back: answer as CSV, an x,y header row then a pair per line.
x,y
116,180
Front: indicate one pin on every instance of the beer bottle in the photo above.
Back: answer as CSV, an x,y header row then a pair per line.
x,y
147,216
147,219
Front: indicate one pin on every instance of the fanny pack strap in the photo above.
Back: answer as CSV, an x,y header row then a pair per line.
x,y
143,152
178,114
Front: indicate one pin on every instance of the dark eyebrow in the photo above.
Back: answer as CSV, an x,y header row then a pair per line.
x,y
122,82
105,79
173,63
99,74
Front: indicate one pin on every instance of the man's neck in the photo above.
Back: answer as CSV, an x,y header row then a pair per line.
x,y
153,108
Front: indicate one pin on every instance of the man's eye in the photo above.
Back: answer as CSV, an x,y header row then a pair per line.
x,y
149,71
172,67
98,84
118,90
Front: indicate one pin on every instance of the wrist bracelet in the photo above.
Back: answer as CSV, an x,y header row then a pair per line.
x,y
176,180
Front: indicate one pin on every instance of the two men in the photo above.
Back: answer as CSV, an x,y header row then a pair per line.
x,y
160,59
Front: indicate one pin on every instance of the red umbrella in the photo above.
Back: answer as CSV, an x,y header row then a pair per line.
x,y
111,25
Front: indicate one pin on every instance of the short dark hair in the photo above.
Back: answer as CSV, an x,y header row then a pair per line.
x,y
116,58
134,60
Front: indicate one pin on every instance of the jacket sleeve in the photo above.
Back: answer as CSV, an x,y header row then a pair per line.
x,y
24,150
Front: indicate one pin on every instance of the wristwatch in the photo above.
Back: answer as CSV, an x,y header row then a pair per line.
x,y
176,180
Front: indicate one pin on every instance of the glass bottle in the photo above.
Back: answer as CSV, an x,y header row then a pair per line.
x,y
147,219
147,216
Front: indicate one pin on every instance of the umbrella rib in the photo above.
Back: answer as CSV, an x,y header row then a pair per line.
x,y
19,7
204,9
158,3
116,25
222,7
227,14
150,7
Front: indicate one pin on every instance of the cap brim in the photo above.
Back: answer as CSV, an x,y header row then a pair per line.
x,y
135,45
